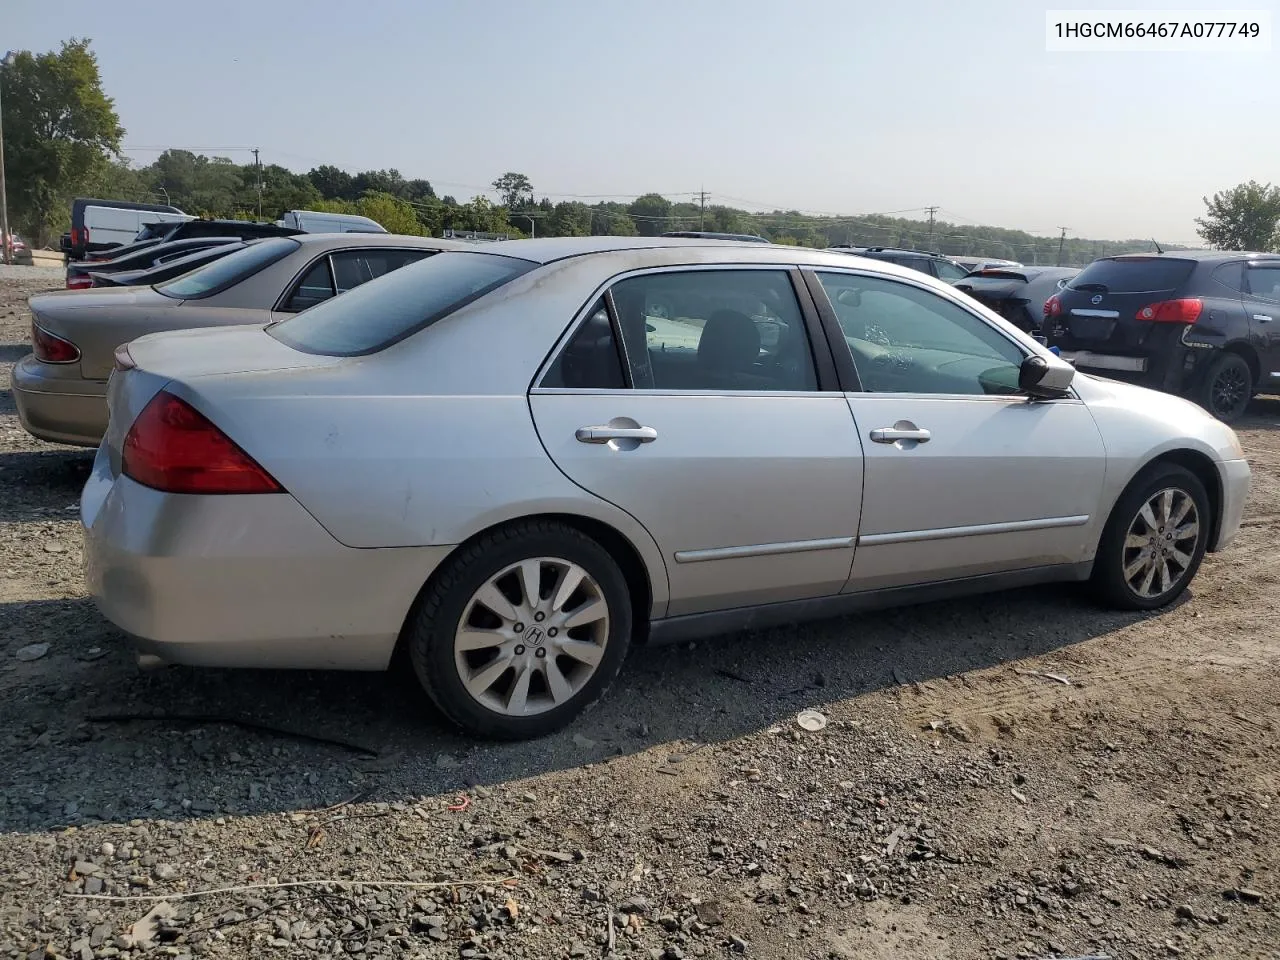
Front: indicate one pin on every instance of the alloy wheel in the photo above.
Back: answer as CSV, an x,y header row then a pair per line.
x,y
1160,544
532,636
1229,392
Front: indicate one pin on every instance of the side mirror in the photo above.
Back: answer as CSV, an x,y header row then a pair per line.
x,y
849,297
650,328
1044,379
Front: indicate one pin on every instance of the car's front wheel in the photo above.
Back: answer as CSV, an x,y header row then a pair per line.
x,y
521,631
1154,540
1227,388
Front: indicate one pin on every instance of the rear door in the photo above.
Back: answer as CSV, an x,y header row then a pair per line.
x,y
1262,303
962,475
703,403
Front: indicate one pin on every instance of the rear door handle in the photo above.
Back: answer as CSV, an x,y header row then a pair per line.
x,y
894,434
605,433
1262,318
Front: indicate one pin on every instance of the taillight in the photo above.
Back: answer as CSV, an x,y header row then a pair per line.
x,y
1052,307
1186,310
123,358
79,281
174,448
51,349
79,236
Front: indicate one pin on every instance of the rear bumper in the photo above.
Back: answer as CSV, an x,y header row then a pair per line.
x,y
1176,369
59,408
242,581
1236,477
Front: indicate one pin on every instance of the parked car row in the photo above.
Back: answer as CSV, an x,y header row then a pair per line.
x,y
498,466
60,388
1201,324
100,226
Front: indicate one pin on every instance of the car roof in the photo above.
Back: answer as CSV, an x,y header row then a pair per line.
x,y
657,251
376,240
1200,256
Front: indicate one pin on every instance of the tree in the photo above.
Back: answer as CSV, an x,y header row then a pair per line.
x,y
514,189
60,129
569,220
1246,217
394,214
333,184
651,214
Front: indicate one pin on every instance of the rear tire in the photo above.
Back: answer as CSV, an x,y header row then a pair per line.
x,y
521,631
1154,540
1227,387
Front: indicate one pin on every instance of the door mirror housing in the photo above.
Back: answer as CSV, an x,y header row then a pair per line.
x,y
1044,378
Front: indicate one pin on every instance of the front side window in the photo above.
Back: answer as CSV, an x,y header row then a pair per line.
x,y
949,271
229,270
376,315
1264,282
714,330
905,339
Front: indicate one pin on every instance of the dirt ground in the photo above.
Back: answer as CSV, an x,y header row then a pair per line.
x,y
1021,775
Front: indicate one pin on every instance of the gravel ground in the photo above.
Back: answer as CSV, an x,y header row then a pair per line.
x,y
962,801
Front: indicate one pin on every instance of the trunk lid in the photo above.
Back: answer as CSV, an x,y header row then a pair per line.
x,y
1101,303
173,359
212,351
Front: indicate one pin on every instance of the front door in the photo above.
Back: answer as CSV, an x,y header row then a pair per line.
x,y
691,400
1262,303
962,477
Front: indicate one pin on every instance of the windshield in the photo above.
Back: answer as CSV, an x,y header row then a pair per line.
x,y
1133,275
228,270
384,311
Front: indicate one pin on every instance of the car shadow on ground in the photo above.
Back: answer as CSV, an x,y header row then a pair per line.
x,y
13,352
41,485
1263,414
84,704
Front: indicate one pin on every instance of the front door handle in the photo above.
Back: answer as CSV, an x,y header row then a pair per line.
x,y
604,433
1262,318
895,434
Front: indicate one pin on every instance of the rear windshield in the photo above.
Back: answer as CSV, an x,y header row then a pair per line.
x,y
381,312
229,270
1133,275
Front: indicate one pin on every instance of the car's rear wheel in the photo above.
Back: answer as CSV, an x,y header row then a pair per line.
x,y
1228,387
1154,540
521,631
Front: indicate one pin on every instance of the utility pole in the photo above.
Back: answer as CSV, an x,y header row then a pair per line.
x,y
6,242
702,219
931,211
258,167
1061,240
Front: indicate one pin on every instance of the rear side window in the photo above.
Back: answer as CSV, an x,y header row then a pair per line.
x,y
375,315
229,270
1133,275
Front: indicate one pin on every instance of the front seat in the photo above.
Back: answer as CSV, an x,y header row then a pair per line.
x,y
728,351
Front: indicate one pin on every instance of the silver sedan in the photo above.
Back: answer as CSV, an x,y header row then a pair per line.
x,y
500,468
60,387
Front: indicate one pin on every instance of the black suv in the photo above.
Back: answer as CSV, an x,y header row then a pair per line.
x,y
934,264
1202,324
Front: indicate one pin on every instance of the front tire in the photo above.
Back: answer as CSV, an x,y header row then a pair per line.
x,y
522,631
1154,540
1227,388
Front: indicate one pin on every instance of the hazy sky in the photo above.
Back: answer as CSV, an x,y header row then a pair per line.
x,y
845,106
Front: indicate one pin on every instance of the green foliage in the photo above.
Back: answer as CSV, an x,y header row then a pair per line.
x,y
1246,217
649,212
393,213
514,189
61,130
